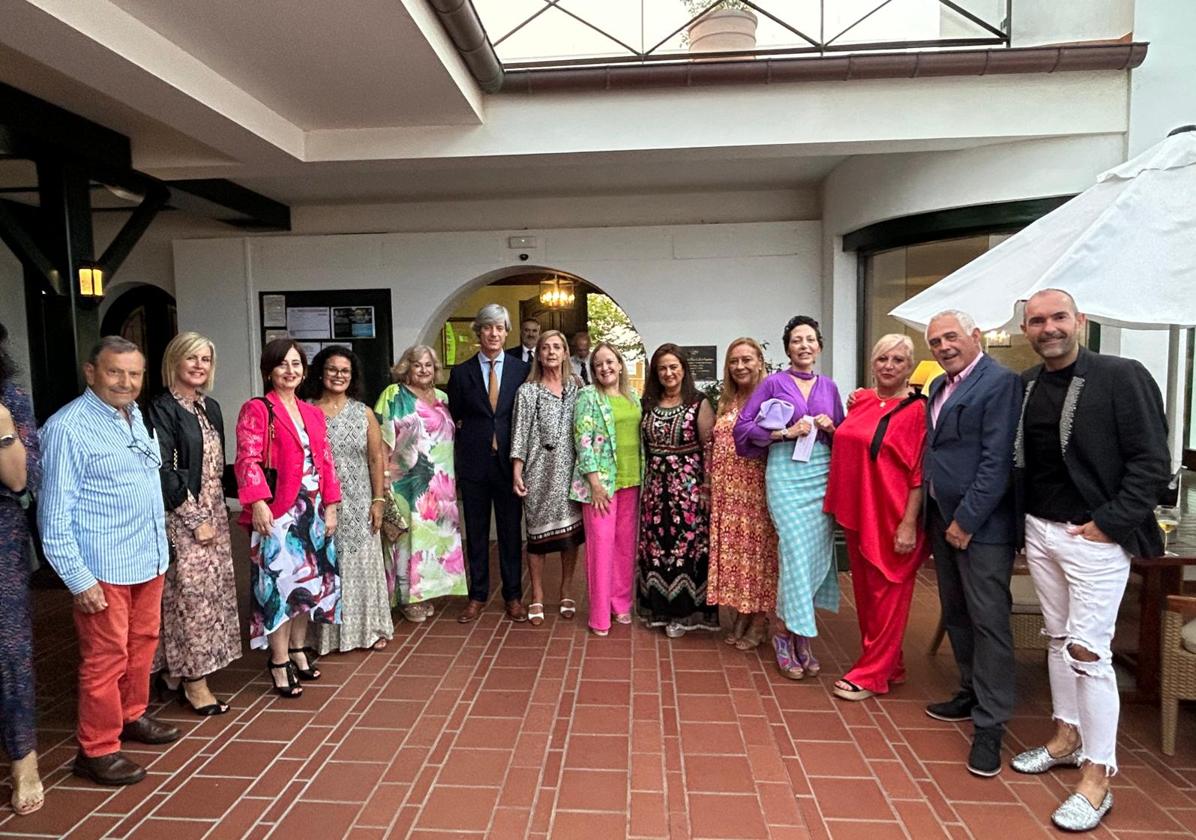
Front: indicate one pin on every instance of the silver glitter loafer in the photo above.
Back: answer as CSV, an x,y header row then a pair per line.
x,y
1039,760
1077,814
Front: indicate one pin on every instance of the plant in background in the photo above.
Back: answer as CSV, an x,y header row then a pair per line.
x,y
696,6
714,387
610,323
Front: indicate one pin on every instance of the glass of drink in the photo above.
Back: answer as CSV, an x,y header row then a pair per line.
x,y
1168,518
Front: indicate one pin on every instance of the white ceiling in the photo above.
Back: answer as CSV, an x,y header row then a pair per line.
x,y
315,101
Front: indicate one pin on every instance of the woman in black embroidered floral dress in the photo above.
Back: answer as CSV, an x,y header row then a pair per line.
x,y
673,556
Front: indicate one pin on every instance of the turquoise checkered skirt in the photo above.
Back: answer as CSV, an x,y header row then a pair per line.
x,y
808,576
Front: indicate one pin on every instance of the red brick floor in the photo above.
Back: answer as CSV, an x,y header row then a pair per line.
x,y
508,731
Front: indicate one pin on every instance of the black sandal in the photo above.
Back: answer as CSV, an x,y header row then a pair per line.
x,y
217,708
292,688
310,672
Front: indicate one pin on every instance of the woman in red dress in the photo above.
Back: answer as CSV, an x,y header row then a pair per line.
x,y
874,492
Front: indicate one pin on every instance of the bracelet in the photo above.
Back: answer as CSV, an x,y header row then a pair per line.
x,y
378,499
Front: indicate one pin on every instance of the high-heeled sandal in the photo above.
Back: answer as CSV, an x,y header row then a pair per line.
x,y
163,693
311,672
782,644
292,688
738,627
805,655
753,637
217,708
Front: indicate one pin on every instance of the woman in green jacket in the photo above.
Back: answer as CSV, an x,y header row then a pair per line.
x,y
606,480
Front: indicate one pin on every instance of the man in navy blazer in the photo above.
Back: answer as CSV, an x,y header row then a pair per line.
x,y
972,417
481,394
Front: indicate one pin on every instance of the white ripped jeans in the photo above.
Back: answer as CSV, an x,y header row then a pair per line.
x,y
1080,584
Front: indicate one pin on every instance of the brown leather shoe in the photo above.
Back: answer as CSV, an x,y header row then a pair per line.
x,y
149,731
471,612
111,769
515,610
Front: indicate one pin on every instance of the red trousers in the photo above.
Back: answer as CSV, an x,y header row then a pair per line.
x,y
882,607
116,650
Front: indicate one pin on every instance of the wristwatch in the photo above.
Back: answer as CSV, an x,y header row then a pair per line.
x,y
7,440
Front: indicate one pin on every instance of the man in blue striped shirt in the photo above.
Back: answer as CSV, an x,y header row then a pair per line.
x,y
103,529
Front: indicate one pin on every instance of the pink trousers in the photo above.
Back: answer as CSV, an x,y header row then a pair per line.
x,y
610,555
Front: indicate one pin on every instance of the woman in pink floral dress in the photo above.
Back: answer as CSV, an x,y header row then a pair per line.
x,y
426,561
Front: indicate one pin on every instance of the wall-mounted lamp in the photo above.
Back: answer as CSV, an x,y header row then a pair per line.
x,y
556,293
996,338
91,280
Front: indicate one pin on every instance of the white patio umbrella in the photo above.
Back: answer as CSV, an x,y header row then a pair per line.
x,y
1125,248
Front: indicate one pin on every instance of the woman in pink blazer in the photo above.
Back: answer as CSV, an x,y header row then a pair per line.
x,y
294,575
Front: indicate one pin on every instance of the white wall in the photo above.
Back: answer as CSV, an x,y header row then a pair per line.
x,y
692,284
584,211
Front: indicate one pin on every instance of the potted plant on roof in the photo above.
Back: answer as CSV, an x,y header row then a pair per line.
x,y
728,26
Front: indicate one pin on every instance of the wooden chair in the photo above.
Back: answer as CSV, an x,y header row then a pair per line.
x,y
1178,670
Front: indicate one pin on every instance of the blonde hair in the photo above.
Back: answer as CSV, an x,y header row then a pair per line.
x,y
536,375
624,378
726,397
891,341
402,368
179,348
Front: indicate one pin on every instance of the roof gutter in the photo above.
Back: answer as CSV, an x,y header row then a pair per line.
x,y
463,26
829,68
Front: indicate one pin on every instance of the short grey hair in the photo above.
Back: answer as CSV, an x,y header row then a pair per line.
x,y
966,321
491,313
111,344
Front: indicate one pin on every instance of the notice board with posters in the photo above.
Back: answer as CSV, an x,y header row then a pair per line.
x,y
355,318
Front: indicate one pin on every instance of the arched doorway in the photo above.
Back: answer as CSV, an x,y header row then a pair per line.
x,y
520,289
145,315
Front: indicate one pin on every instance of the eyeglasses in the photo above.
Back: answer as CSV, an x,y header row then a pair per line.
x,y
148,453
337,373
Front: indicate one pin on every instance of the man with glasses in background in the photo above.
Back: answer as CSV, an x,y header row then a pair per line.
x,y
103,529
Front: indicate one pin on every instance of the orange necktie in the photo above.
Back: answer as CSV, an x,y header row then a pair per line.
x,y
493,390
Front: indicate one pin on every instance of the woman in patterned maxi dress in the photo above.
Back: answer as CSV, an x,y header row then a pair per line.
x,y
743,543
542,467
200,627
426,561
673,552
335,387
19,472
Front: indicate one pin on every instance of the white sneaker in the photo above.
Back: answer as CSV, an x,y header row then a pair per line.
x,y
674,630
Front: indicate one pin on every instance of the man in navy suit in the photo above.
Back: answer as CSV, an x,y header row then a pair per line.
x,y
529,335
972,418
481,393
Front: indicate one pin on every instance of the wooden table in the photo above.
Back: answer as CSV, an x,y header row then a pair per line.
x,y
1161,576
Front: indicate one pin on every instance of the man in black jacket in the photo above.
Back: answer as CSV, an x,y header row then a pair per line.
x,y
1091,460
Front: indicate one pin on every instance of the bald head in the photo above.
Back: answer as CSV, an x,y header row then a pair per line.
x,y
1052,326
1053,298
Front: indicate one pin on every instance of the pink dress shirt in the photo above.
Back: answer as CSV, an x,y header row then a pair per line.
x,y
953,382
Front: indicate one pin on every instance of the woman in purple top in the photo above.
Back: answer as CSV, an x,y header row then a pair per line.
x,y
795,488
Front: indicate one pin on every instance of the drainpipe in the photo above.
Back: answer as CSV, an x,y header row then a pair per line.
x,y
460,20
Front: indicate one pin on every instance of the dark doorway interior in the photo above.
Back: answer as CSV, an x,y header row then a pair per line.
x,y
146,316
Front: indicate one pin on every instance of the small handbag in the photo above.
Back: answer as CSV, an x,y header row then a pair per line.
x,y
270,473
394,524
774,414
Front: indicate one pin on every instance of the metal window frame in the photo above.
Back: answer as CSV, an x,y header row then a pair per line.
x,y
998,35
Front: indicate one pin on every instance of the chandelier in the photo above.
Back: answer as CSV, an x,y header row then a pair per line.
x,y
556,293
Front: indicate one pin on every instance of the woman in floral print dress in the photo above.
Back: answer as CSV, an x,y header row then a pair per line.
x,y
426,561
674,516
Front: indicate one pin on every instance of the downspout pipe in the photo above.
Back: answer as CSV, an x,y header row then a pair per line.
x,y
460,20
